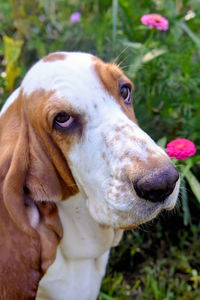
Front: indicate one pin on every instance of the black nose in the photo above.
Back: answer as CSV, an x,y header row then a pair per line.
x,y
158,185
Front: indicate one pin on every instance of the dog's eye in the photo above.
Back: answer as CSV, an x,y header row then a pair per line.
x,y
63,120
125,92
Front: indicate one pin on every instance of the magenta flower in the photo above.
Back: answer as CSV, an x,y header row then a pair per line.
x,y
75,17
181,149
155,21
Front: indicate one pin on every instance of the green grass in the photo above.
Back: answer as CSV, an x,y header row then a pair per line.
x,y
162,262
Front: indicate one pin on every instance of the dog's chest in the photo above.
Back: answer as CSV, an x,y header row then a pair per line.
x,y
81,256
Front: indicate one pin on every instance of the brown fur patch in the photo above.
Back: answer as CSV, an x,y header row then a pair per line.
x,y
111,76
50,231
55,144
54,56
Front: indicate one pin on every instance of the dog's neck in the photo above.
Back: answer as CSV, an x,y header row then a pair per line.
x,y
83,237
83,250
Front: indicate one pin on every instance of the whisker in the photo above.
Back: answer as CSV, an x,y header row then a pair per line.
x,y
118,56
121,62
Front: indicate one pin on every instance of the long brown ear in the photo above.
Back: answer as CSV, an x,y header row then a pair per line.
x,y
19,243
42,179
29,232
13,187
42,187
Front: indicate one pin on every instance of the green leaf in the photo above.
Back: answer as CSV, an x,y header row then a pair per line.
x,y
142,59
12,51
194,184
186,168
162,142
136,285
153,54
195,159
186,210
135,66
105,296
131,44
155,289
191,34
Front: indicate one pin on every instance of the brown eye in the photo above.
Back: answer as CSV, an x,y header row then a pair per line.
x,y
63,120
125,92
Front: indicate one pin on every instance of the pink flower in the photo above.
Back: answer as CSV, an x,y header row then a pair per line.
x,y
75,17
155,21
181,149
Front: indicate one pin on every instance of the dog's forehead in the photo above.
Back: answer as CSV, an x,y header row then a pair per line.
x,y
56,70
77,77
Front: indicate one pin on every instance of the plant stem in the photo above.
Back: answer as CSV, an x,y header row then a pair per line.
x,y
148,41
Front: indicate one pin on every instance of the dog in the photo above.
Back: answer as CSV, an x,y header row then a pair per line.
x,y
76,171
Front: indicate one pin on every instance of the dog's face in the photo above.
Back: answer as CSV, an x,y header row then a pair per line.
x,y
86,106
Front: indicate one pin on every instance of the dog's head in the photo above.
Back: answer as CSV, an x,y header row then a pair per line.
x,y
80,111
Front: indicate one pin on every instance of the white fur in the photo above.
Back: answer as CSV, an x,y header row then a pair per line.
x,y
81,256
110,155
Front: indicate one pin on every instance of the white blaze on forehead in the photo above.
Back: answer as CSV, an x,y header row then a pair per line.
x,y
70,77
73,79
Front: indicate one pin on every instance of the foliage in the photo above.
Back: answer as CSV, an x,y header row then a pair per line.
x,y
164,66
154,266
192,181
12,52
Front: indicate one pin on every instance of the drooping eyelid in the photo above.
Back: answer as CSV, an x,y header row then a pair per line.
x,y
65,129
68,111
75,115
68,122
77,124
128,83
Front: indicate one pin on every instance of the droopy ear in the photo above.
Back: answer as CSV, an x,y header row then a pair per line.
x,y
42,180
29,232
19,242
16,154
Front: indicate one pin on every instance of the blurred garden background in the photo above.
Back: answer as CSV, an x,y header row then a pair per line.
x,y
162,259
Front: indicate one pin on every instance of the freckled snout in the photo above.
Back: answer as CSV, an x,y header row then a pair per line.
x,y
157,186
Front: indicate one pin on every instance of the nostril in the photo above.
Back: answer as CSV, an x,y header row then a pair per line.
x,y
157,186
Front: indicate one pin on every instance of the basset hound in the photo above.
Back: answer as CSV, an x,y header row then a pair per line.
x,y
75,171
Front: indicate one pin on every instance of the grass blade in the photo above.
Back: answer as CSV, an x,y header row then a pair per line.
x,y
186,210
194,184
190,33
114,18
